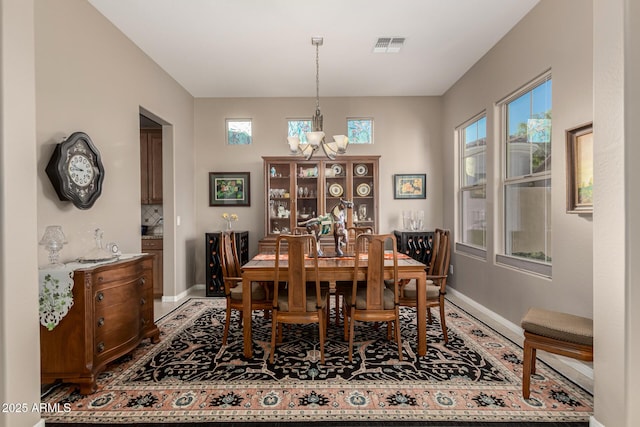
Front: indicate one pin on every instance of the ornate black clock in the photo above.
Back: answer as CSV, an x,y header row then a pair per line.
x,y
75,170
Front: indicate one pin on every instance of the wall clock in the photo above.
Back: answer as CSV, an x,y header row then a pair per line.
x,y
76,171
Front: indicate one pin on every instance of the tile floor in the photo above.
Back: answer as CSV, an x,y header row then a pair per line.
x,y
561,364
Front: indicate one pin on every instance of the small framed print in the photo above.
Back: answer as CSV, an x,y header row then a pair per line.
x,y
229,188
360,130
239,131
580,169
410,186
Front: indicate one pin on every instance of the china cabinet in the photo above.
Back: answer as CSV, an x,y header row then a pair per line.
x,y
298,190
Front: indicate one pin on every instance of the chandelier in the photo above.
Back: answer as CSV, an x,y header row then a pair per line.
x,y
315,139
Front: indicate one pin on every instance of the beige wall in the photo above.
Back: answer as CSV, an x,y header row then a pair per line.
x,y
91,78
541,41
19,332
406,135
616,108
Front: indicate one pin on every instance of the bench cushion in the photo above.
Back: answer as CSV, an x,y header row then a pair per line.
x,y
559,326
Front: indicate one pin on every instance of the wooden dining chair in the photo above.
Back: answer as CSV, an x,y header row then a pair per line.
x,y
374,302
343,287
436,280
297,302
231,273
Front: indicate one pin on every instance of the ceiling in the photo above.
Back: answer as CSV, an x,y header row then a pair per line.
x,y
262,48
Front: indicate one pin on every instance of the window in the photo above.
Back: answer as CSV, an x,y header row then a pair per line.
x,y
299,128
472,137
238,131
527,177
360,130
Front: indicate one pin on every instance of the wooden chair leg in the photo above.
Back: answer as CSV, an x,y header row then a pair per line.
x,y
398,337
443,320
352,323
528,364
322,331
225,335
429,318
274,327
345,321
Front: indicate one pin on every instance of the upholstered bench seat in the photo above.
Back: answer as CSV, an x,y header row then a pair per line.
x,y
560,333
559,326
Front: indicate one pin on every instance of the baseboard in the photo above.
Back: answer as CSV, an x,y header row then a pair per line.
x,y
572,363
182,295
594,423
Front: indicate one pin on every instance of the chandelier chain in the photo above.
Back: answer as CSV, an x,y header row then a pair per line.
x,y
317,77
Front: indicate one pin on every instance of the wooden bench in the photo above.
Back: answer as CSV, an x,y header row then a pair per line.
x,y
560,333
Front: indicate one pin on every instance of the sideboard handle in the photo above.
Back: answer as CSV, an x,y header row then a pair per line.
x,y
101,322
100,347
100,296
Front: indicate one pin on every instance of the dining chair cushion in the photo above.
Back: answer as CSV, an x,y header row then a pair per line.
x,y
283,300
433,291
257,292
361,299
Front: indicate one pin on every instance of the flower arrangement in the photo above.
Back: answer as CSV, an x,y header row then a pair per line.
x,y
229,218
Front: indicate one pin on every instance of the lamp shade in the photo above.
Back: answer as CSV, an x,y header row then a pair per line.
x,y
294,143
341,142
315,138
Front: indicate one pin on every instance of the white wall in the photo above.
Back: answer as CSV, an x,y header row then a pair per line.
x,y
91,78
543,40
406,135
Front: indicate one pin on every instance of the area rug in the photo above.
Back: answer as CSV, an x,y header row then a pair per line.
x,y
190,378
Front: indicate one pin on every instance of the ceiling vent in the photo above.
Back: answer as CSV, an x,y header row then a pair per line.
x,y
388,45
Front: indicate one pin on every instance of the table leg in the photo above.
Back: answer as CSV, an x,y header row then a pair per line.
x,y
421,285
246,317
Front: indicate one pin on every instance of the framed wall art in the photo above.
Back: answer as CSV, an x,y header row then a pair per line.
x,y
410,186
229,188
239,131
580,169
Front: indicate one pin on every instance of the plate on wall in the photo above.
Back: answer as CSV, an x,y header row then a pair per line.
x,y
337,170
361,170
363,190
336,190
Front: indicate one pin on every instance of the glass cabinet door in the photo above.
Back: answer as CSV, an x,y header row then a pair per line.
x,y
279,191
306,191
364,209
335,184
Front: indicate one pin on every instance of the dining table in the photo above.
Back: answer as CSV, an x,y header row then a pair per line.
x,y
261,268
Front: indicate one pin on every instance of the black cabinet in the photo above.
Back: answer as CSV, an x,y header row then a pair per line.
x,y
417,244
213,274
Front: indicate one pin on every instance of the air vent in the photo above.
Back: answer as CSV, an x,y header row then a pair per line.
x,y
388,45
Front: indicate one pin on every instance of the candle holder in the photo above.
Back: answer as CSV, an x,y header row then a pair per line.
x,y
53,240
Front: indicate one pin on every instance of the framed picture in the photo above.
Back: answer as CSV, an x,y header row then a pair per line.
x,y
580,169
410,186
229,188
239,131
360,130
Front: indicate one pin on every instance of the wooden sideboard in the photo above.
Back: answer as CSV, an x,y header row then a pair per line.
x,y
112,312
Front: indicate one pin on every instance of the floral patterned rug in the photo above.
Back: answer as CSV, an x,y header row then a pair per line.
x,y
189,377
